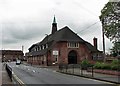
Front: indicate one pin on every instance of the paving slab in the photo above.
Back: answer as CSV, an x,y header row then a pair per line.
x,y
5,77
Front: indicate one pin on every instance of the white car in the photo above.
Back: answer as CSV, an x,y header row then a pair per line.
x,y
18,62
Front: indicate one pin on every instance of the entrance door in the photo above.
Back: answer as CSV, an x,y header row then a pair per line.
x,y
72,57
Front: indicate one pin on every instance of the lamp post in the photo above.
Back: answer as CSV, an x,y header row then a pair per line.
x,y
4,58
47,50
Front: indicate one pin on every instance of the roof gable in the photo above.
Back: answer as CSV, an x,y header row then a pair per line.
x,y
64,34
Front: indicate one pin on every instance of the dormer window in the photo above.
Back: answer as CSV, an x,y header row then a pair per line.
x,y
34,49
73,45
46,45
39,47
43,47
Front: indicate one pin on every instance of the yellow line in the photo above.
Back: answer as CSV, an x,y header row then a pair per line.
x,y
19,81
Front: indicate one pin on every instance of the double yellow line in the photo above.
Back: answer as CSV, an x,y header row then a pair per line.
x,y
21,83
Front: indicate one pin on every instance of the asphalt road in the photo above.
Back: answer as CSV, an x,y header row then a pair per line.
x,y
34,75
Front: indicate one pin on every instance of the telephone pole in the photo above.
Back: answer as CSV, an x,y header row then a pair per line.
x,y
103,36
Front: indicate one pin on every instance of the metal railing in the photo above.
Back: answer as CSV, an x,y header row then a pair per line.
x,y
77,69
9,71
13,77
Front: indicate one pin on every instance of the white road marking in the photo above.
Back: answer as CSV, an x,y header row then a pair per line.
x,y
54,71
33,70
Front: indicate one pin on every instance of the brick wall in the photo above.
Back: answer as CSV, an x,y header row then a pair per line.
x,y
82,53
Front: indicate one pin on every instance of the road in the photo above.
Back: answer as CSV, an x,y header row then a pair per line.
x,y
34,75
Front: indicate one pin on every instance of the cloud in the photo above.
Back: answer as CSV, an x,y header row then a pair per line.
x,y
13,32
25,22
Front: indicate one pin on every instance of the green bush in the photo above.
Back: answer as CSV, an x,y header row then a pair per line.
x,y
97,65
105,66
115,62
114,67
85,62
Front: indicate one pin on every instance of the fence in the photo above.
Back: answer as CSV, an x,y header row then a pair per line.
x,y
77,69
13,77
9,71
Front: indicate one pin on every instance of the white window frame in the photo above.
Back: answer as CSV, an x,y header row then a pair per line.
x,y
73,45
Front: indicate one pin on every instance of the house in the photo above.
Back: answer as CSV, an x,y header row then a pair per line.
x,y
11,55
62,46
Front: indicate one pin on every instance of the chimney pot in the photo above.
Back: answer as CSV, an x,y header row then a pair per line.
x,y
95,42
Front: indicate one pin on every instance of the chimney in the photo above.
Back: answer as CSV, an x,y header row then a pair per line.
x,y
22,48
54,26
95,42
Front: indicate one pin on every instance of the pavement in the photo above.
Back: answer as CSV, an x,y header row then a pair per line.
x,y
5,78
98,76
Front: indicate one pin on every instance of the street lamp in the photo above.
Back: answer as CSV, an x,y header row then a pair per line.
x,y
4,58
47,50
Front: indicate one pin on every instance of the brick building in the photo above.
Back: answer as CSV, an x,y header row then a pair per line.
x,y
62,47
11,55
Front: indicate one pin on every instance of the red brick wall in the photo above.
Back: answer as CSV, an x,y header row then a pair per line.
x,y
82,52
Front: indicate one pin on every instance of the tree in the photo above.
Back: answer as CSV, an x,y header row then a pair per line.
x,y
110,18
115,49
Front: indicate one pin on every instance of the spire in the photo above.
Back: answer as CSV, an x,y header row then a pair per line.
x,y
54,26
54,20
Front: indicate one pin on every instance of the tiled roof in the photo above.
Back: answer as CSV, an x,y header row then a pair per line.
x,y
91,47
34,53
64,34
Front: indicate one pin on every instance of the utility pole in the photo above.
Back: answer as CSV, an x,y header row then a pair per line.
x,y
23,52
47,50
22,48
103,36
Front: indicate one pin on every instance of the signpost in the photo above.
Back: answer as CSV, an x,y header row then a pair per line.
x,y
55,54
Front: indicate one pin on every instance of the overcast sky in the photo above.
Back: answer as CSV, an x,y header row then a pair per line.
x,y
25,22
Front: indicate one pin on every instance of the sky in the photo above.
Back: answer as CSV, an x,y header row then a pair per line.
x,y
25,22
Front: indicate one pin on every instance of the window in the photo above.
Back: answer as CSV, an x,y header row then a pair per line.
x,y
39,47
73,45
97,56
43,47
46,45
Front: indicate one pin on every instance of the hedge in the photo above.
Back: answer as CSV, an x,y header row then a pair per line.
x,y
115,65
